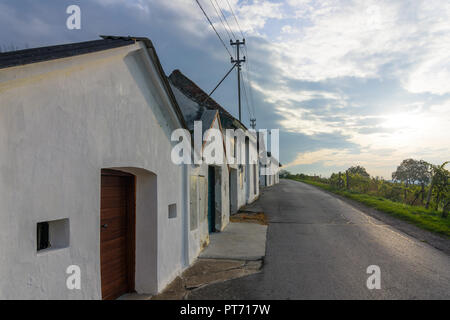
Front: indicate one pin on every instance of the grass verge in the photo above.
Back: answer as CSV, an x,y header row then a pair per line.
x,y
426,219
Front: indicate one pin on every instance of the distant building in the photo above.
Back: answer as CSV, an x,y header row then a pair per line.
x,y
209,209
243,178
269,165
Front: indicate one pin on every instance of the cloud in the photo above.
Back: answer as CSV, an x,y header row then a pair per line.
x,y
379,161
353,81
254,15
357,39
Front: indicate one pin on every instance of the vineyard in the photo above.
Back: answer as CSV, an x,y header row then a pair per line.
x,y
419,192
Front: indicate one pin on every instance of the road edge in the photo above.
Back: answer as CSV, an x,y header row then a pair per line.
x,y
433,239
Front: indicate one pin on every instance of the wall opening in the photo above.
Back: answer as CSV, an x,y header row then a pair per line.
x,y
146,278
211,199
52,235
172,211
117,233
255,180
233,186
193,204
247,169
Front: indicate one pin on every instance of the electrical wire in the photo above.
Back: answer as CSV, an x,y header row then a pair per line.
x,y
212,25
220,18
245,80
246,97
226,20
235,18
249,81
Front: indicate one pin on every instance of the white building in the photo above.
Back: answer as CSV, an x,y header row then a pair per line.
x,y
86,177
271,177
269,174
243,178
209,209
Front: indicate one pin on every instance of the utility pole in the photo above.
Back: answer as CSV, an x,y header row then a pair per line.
x,y
238,62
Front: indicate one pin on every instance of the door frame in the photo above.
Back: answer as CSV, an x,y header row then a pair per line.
x,y
131,230
211,200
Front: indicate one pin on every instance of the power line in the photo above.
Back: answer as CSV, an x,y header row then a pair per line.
x,y
250,95
220,82
251,105
220,18
246,97
238,62
218,35
226,20
251,114
249,81
235,19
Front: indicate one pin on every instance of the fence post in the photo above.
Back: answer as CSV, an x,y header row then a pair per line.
x,y
347,179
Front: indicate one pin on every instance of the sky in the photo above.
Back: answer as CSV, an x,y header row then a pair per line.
x,y
346,82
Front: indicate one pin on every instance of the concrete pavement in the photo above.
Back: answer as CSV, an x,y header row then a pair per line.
x,y
233,253
239,241
319,247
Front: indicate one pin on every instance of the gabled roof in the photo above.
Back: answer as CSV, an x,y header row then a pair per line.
x,y
191,110
193,92
148,43
207,120
27,56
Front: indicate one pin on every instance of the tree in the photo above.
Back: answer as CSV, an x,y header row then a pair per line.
x,y
358,170
412,171
440,186
284,174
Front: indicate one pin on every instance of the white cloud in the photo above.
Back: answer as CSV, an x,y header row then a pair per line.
x,y
138,5
379,161
356,39
321,41
253,16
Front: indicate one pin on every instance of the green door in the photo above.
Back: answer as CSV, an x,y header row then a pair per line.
x,y
211,198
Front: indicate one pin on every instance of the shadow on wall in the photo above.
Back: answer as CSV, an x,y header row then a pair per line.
x,y
136,62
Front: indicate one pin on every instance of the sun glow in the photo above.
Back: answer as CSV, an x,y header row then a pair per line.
x,y
406,121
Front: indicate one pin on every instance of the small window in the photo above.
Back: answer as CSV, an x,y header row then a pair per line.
x,y
53,234
172,211
42,236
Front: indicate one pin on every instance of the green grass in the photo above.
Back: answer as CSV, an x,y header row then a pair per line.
x,y
426,219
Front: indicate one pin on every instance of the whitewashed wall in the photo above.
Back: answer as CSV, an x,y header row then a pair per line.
x,y
62,121
198,221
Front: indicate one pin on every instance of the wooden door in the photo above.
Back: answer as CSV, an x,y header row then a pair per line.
x,y
117,233
211,199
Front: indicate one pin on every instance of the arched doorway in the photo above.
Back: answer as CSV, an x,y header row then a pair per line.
x,y
143,231
117,233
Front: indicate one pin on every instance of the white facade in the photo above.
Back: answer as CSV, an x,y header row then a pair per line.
x,y
244,178
269,174
61,122
198,205
238,184
274,176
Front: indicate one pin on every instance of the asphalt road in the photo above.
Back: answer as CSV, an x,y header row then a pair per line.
x,y
319,247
